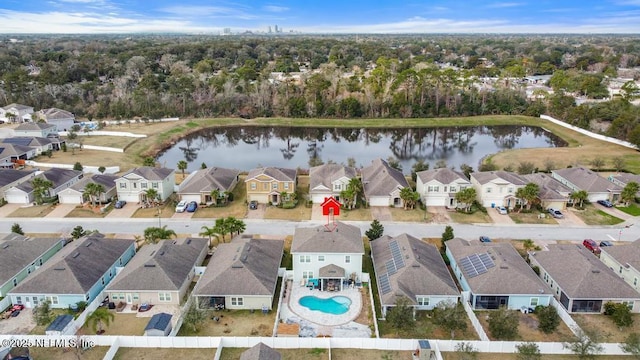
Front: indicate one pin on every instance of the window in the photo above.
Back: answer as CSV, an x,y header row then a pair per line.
x,y
533,302
423,301
445,189
307,275
558,291
253,186
635,281
237,301
29,270
305,258
164,297
320,258
452,189
551,284
54,300
620,270
430,188
545,277
286,186
143,185
347,259
135,185
18,300
35,301
40,262
488,190
510,190
136,297
102,280
274,186
87,297
110,273
629,304
337,186
154,185
123,185
15,282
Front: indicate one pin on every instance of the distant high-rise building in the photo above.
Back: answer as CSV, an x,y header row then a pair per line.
x,y
269,29
226,31
277,28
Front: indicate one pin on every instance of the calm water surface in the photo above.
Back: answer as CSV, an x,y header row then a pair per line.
x,y
249,147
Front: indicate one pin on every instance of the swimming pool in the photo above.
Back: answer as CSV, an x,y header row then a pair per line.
x,y
336,305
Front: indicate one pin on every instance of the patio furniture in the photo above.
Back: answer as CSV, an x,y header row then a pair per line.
x,y
121,306
145,307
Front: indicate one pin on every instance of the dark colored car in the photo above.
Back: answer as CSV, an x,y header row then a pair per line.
x,y
592,246
484,239
605,203
253,205
192,206
120,204
605,243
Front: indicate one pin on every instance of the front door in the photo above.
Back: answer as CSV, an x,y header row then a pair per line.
x,y
128,298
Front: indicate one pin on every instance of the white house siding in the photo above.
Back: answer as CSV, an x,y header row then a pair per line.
x,y
17,196
70,196
380,201
249,302
319,198
354,266
630,275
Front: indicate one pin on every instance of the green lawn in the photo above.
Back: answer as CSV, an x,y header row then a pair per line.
x,y
593,216
531,218
632,209
476,217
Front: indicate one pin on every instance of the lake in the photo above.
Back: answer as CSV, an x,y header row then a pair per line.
x,y
245,148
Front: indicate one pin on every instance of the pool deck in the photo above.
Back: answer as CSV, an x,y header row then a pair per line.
x,y
318,317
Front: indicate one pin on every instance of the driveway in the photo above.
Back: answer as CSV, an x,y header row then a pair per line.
x,y
617,213
316,212
439,214
61,210
381,213
257,213
7,209
497,218
19,325
124,212
182,215
570,218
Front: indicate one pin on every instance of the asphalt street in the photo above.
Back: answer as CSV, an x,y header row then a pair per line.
x,y
283,227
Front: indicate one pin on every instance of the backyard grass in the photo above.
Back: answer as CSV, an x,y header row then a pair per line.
x,y
40,329
528,328
368,354
632,209
531,218
85,212
476,217
119,142
36,211
413,215
165,353
122,324
359,214
236,208
95,353
287,354
593,216
235,323
425,328
604,326
503,356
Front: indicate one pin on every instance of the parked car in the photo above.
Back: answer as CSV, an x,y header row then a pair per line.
x,y
182,206
120,204
605,203
605,243
556,213
502,210
592,246
253,205
484,239
192,206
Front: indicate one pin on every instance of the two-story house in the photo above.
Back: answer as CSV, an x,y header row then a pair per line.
x,y
267,184
78,272
21,255
60,179
16,113
625,261
497,188
62,119
580,178
329,180
438,187
327,256
134,184
382,184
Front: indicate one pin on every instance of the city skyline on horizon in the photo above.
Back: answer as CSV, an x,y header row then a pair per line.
x,y
328,17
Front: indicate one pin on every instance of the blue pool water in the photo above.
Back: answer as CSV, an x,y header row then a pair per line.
x,y
336,305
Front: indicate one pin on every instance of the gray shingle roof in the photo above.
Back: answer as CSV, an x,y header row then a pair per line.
x,y
380,179
343,239
279,174
7,149
30,141
158,321
57,176
626,254
162,266
587,180
108,181
550,188
323,175
207,180
34,126
260,352
242,267
581,275
442,175
17,106
75,268
17,252
484,177
150,173
424,272
8,176
331,271
55,113
626,178
510,275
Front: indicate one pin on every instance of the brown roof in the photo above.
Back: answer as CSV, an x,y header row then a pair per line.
x,y
483,177
331,271
626,254
380,179
442,175
323,175
580,274
550,188
279,174
343,239
510,275
587,180
207,180
55,113
242,267
260,352
421,270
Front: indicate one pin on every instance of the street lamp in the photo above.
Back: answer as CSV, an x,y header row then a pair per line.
x,y
159,218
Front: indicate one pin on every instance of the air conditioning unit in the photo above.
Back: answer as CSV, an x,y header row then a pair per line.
x,y
424,351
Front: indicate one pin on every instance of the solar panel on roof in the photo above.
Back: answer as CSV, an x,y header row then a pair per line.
x,y
476,264
391,267
487,261
385,286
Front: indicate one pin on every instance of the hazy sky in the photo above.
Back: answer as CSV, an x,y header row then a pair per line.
x,y
327,16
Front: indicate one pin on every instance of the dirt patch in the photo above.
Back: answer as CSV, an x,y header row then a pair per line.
x,y
122,324
235,323
95,353
287,354
604,326
366,316
528,328
369,354
164,353
37,211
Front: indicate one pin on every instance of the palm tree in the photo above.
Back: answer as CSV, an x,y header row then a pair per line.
x,y
629,192
209,232
221,227
99,318
466,196
529,194
235,225
94,191
215,194
182,166
41,187
409,197
579,196
152,195
154,234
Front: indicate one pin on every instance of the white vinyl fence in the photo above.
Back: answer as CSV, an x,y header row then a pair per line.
x,y
85,168
472,316
5,303
564,315
589,133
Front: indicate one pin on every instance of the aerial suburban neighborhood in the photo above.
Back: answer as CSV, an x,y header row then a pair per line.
x,y
414,223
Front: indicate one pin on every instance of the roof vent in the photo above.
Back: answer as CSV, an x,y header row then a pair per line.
x,y
149,265
153,252
248,248
237,265
88,244
595,271
504,267
59,268
76,254
188,241
244,258
5,246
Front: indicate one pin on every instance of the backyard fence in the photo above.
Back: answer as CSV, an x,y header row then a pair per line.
x,y
564,315
85,168
589,133
104,133
5,303
472,316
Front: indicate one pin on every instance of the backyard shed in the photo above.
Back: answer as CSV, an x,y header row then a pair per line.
x,y
159,325
61,325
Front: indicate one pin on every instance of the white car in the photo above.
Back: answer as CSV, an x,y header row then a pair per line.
x,y
182,206
502,210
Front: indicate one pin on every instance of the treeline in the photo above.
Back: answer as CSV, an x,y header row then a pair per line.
x,y
118,77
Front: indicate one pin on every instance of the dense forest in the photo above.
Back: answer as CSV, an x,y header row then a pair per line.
x,y
123,77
